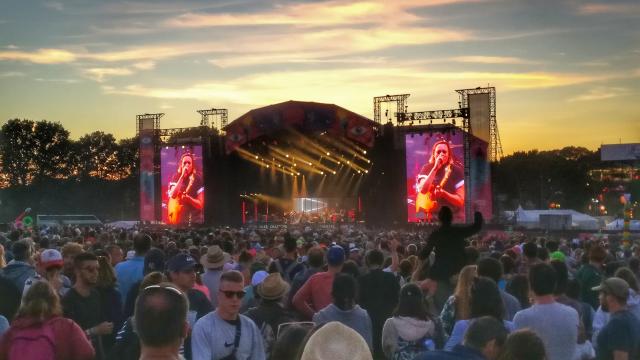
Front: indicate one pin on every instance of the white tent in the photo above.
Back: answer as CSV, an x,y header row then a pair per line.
x,y
531,218
618,224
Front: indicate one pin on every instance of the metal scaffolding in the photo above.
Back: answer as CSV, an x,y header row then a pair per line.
x,y
217,114
401,103
495,146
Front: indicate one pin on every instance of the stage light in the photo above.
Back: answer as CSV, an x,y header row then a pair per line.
x,y
256,156
267,166
328,154
183,146
321,172
364,152
287,155
366,171
334,173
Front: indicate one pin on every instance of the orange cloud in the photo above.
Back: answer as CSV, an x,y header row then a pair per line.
x,y
492,60
40,56
609,8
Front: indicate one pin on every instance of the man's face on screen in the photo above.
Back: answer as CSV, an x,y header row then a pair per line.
x,y
442,151
187,164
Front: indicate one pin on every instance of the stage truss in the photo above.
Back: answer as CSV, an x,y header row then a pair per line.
x,y
401,104
217,114
495,145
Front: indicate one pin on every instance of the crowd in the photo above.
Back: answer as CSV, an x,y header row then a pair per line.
x,y
308,293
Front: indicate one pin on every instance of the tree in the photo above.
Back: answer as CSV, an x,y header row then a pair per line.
x,y
96,156
33,151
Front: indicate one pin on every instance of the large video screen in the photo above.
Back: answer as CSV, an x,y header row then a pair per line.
x,y
435,175
182,185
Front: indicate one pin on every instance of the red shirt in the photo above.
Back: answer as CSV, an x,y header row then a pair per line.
x,y
314,295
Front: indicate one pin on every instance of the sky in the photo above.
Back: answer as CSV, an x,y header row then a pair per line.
x,y
566,72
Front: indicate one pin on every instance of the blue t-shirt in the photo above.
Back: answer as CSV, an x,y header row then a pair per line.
x,y
128,273
622,333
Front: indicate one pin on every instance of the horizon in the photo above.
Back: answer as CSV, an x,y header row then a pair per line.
x,y
566,72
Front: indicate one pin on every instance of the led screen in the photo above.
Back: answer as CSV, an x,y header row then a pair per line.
x,y
182,185
435,175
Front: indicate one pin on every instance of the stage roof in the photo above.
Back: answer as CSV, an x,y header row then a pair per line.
x,y
305,117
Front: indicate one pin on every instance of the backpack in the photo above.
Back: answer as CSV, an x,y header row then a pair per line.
x,y
33,343
409,350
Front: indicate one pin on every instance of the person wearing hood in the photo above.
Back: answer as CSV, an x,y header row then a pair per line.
x,y
21,267
412,330
345,310
601,318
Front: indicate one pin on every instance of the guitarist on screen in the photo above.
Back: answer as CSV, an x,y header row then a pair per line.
x,y
186,193
440,182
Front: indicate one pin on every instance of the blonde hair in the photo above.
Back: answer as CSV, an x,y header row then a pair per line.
x,y
106,274
463,291
40,301
152,278
3,261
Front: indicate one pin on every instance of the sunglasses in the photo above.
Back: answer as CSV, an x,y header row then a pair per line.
x,y
169,288
229,294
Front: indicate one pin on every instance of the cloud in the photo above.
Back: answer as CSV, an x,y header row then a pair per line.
x,y
54,5
145,65
344,86
492,60
630,9
11,74
12,47
324,13
66,81
40,56
600,93
100,74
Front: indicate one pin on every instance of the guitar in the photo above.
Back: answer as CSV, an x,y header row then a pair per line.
x,y
424,199
175,206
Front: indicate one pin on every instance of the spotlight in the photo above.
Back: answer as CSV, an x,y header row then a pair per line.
x,y
183,146
321,172
328,154
267,166
366,171
364,152
256,156
334,173
287,155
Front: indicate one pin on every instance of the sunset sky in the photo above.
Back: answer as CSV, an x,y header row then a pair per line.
x,y
566,72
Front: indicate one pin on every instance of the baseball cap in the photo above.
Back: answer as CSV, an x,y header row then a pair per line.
x,y
181,262
259,277
335,255
614,286
51,258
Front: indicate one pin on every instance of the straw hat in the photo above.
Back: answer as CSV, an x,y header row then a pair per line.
x,y
273,287
214,258
335,341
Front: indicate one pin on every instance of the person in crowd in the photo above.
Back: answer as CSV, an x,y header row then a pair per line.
x,y
378,295
270,312
448,242
224,332
492,269
601,317
483,340
21,267
213,262
288,265
336,341
344,308
529,257
39,330
10,298
590,275
251,298
116,255
350,267
127,343
110,298
620,337
412,330
181,270
458,306
485,300
131,271
49,268
587,313
83,303
69,251
556,324
584,347
161,321
518,287
315,260
315,294
288,343
523,345
154,261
